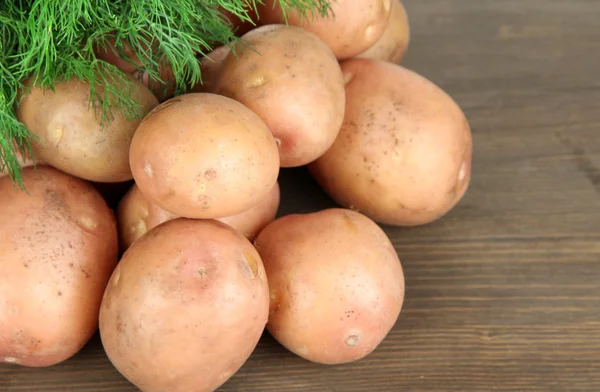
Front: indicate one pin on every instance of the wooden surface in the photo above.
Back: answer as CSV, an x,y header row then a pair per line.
x,y
504,293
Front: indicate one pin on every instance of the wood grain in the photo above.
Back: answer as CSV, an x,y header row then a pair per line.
x,y
503,294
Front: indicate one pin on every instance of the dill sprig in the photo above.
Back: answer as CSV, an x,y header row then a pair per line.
x,y
43,42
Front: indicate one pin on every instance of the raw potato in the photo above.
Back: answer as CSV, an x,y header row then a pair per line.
x,y
136,216
393,44
70,135
336,284
292,80
403,155
211,69
58,244
351,28
162,89
204,156
185,308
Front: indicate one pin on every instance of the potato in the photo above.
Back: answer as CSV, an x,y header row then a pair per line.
x,y
403,155
210,70
293,82
185,307
336,284
127,61
242,26
70,136
136,216
350,28
394,43
59,246
205,156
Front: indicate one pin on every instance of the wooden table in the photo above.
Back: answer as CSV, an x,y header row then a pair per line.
x,y
503,294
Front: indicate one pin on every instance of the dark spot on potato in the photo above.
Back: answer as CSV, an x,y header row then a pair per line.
x,y
202,272
204,202
83,271
350,224
210,174
59,293
252,68
71,265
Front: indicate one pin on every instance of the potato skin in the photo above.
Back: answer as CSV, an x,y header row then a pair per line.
x,y
71,137
204,156
393,44
292,80
185,307
136,216
351,28
336,284
59,247
403,155
210,69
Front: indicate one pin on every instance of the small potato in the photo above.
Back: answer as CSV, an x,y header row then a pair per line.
x,y
59,245
70,136
394,43
127,61
350,28
403,155
211,69
136,216
293,82
336,284
185,307
204,156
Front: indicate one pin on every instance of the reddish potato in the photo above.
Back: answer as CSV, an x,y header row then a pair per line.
x,y
127,61
211,69
403,155
393,44
185,308
292,80
204,156
351,28
70,135
136,216
336,284
58,244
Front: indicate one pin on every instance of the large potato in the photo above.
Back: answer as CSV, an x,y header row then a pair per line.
x,y
394,43
210,69
336,284
58,244
403,155
351,28
136,216
70,135
293,82
126,60
185,308
204,156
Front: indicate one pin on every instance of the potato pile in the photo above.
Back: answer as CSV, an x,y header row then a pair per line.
x,y
193,263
